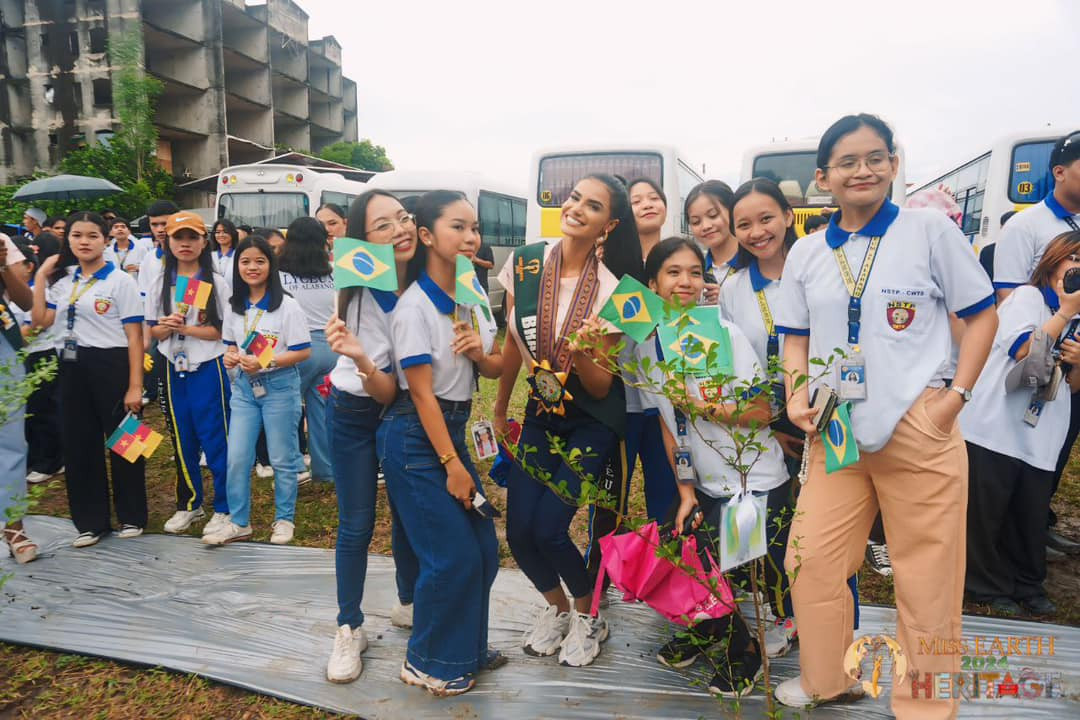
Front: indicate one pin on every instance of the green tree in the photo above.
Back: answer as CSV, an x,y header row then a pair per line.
x,y
134,97
364,155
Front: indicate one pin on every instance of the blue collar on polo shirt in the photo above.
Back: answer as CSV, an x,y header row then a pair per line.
x,y
100,274
835,236
442,302
158,252
386,299
733,263
1055,207
263,304
1050,297
757,281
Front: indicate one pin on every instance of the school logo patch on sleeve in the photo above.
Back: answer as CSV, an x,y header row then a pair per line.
x,y
900,315
102,305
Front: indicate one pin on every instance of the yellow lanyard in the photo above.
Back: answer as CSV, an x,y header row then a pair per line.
x,y
766,313
249,328
76,293
855,287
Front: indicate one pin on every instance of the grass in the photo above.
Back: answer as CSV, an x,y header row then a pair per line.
x,y
41,685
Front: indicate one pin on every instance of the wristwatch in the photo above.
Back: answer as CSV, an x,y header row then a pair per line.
x,y
964,392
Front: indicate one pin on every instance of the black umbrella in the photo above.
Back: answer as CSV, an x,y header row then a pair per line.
x,y
66,187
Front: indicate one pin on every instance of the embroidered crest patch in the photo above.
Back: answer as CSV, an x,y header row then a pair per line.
x,y
102,305
900,314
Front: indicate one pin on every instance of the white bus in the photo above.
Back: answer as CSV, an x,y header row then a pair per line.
x,y
268,195
792,164
555,171
500,207
1012,175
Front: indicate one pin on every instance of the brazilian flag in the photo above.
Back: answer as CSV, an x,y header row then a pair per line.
x,y
701,347
633,308
363,264
469,290
840,447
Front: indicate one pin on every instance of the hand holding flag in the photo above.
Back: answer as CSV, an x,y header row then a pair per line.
x,y
133,439
192,292
633,308
258,345
364,264
701,345
469,290
839,439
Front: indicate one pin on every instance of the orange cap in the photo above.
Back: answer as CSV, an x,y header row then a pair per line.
x,y
185,220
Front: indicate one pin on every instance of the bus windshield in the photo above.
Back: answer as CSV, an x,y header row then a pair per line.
x,y
1029,178
263,209
794,173
559,173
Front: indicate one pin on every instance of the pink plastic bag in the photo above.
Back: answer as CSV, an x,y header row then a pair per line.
x,y
630,560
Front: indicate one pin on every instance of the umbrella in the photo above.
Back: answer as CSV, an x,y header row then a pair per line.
x,y
66,187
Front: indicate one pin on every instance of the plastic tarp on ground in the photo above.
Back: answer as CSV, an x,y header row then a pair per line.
x,y
262,617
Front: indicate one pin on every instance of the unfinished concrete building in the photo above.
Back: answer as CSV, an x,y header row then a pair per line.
x,y
238,80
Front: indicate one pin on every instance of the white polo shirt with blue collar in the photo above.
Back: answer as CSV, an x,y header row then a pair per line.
x,y
924,270
285,327
368,318
1025,237
107,301
197,350
423,332
153,263
739,304
126,259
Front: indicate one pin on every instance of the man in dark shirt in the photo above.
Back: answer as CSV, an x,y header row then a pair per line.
x,y
483,261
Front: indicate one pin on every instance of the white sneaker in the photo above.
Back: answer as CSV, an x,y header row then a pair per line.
x,y
401,615
303,478
283,532
263,471
345,664
129,531
33,477
790,693
182,519
582,643
214,523
780,636
307,460
547,634
202,459
228,532
86,539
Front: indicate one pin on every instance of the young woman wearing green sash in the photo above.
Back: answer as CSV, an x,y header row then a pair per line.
x,y
552,292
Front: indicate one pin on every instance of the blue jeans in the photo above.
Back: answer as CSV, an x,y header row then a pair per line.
x,y
537,519
277,411
644,439
312,372
12,444
352,421
457,549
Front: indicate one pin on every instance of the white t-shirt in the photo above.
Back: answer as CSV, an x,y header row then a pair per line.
x,y
994,419
151,266
1024,239
315,295
198,351
567,285
923,271
101,310
739,304
368,317
422,327
710,442
285,327
127,260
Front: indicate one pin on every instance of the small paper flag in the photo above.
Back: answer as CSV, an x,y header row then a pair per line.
x,y
690,348
149,438
363,264
193,292
840,447
469,290
633,308
257,344
133,439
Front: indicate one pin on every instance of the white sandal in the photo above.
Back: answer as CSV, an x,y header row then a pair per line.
x,y
22,547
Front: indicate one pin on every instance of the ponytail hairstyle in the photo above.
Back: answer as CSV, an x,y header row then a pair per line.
x,y
357,220
206,274
67,258
429,208
241,292
336,209
651,183
765,186
718,190
622,249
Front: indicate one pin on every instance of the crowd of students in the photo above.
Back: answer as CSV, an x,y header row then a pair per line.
x,y
963,495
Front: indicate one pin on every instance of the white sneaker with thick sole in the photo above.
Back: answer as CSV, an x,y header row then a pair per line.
x,y
33,477
263,471
228,532
214,523
401,615
202,459
129,531
780,636
791,693
303,478
547,634
182,519
283,532
345,664
440,688
582,642
86,539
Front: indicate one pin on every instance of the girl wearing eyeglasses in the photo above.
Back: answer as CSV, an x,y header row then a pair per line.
x,y
879,284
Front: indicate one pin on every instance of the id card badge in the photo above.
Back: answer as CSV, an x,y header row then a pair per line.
x,y
684,466
180,362
257,388
483,437
852,380
70,353
1034,410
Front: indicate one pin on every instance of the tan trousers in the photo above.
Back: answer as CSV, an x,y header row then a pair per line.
x,y
919,480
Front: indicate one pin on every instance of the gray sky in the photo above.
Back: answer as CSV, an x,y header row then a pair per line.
x,y
482,84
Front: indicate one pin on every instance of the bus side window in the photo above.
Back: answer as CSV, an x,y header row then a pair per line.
x,y
517,230
489,219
